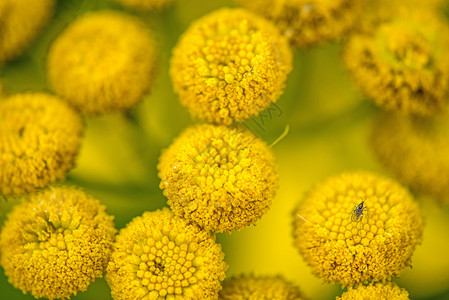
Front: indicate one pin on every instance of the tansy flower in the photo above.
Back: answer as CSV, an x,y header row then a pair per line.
x,y
378,291
416,151
104,61
20,23
145,4
56,242
218,177
230,65
259,288
400,61
160,256
40,136
357,227
308,22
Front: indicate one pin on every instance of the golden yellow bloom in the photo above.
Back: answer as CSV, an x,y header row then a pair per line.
x,y
415,149
40,136
218,177
230,65
259,288
378,291
308,22
20,23
161,256
56,242
104,61
346,246
400,61
145,4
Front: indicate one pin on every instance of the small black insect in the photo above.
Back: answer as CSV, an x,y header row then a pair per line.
x,y
357,212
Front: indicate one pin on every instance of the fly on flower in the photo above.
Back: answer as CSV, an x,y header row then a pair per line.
x,y
357,212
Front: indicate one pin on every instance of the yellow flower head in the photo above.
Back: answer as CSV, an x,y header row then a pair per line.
x,y
20,23
218,177
145,4
259,288
160,256
400,61
357,227
308,22
40,136
56,242
104,61
230,65
422,143
378,291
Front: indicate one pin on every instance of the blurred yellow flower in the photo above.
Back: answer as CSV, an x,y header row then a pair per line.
x,y
20,22
348,245
40,136
145,4
230,65
378,291
56,242
259,288
400,61
308,22
422,143
104,61
160,256
218,177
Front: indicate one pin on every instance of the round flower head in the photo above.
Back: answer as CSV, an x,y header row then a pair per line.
x,y
357,227
56,242
160,256
40,136
260,288
218,177
104,61
400,61
422,143
379,291
230,65
145,4
16,33
308,22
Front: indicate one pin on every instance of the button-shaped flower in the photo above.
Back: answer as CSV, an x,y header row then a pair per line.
x,y
357,227
160,256
40,136
230,65
218,177
104,61
56,242
387,291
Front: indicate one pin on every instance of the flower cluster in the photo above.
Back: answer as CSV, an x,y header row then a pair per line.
x,y
383,291
56,242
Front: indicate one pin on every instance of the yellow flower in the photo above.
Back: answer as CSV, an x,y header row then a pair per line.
x,y
104,61
40,136
349,246
378,291
56,242
161,256
145,4
400,61
20,23
230,65
416,150
218,177
259,288
308,22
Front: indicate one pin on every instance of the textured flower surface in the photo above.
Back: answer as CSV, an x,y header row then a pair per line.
x,y
56,242
230,65
250,287
160,256
16,34
422,142
145,4
400,61
220,178
349,242
104,61
308,22
378,291
40,136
